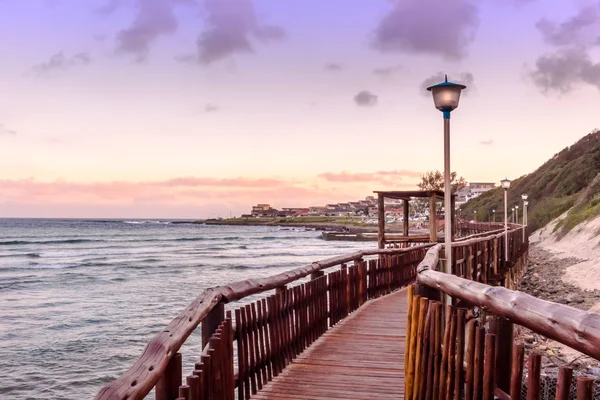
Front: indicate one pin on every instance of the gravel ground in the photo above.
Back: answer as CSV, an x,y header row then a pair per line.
x,y
543,279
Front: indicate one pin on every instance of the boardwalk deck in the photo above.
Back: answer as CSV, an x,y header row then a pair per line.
x,y
362,357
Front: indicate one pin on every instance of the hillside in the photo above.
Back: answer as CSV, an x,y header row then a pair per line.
x,y
555,187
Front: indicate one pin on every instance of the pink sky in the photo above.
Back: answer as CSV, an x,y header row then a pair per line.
x,y
195,108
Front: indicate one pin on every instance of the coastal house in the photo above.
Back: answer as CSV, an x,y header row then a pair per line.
x,y
471,191
317,210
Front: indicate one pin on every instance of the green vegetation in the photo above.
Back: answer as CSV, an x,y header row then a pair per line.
x,y
559,184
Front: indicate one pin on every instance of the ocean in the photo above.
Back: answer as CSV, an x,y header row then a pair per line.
x,y
79,299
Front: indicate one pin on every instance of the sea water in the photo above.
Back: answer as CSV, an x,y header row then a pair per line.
x,y
79,299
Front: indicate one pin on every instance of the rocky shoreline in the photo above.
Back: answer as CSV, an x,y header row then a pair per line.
x,y
543,279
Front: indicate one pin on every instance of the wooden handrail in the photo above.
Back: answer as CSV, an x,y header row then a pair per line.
x,y
578,329
139,380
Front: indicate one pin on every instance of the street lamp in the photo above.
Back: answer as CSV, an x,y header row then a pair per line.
x,y
494,215
446,96
475,215
516,214
512,216
525,203
505,185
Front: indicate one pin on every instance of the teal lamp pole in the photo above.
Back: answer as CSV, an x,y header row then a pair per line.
x,y
505,185
446,96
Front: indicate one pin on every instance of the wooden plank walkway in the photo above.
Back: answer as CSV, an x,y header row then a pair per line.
x,y
362,357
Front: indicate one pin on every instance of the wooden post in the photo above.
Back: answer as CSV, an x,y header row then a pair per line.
x,y
381,221
504,343
316,275
405,227
167,388
565,375
211,322
453,216
432,219
585,388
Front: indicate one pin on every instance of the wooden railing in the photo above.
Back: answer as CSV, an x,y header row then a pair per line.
x,y
467,348
265,335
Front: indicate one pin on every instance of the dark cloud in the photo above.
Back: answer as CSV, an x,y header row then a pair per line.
x,y
560,71
231,24
570,65
61,62
211,108
154,18
444,27
466,78
387,72
580,29
365,98
333,67
488,142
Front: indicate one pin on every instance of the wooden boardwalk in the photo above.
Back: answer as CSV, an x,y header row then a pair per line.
x,y
362,357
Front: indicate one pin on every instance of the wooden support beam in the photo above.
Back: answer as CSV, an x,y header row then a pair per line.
x,y
381,221
212,321
453,216
432,219
405,227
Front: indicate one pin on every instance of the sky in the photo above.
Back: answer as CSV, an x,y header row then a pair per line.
x,y
201,108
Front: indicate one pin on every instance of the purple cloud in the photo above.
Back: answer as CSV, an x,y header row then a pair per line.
x,y
581,29
387,72
211,108
155,18
334,67
561,71
231,24
445,28
365,98
61,62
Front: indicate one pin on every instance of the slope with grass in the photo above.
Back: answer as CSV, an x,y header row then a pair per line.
x,y
557,186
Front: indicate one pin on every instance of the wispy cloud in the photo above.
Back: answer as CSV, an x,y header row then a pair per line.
x,y
445,28
4,131
387,72
334,67
383,177
365,98
487,142
178,197
211,108
581,29
60,62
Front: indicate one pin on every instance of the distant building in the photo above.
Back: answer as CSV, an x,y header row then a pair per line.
x,y
471,191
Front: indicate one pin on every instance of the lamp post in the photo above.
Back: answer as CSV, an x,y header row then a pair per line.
x,y
446,96
505,185
525,204
516,214
512,216
494,215
475,215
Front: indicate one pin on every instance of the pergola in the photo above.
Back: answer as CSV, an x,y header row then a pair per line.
x,y
405,196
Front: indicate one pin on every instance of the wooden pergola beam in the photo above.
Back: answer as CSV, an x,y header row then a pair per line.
x,y
381,221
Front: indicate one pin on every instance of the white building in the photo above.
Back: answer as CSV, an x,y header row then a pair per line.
x,y
471,191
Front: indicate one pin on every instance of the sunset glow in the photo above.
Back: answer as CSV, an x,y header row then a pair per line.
x,y
198,108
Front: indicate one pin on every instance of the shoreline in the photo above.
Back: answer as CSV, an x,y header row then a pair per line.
x,y
329,224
